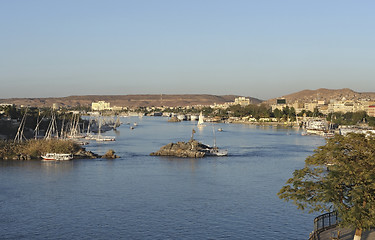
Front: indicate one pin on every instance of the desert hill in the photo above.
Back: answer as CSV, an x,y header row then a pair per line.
x,y
325,94
173,100
145,100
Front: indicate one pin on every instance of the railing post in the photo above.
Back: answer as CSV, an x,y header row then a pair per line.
x,y
329,219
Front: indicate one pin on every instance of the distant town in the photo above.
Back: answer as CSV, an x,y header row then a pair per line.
x,y
322,112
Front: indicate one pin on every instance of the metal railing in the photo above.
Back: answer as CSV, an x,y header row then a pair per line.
x,y
324,222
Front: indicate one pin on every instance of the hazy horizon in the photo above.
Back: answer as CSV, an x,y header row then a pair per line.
x,y
260,49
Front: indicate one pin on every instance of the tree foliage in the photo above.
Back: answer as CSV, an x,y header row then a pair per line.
x,y
253,110
348,186
351,118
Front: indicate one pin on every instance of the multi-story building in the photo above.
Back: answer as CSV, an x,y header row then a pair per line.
x,y
345,106
311,106
100,106
242,101
280,104
371,110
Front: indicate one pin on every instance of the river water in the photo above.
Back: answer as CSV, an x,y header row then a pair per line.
x,y
146,197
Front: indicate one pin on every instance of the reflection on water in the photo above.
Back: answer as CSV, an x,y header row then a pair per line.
x,y
182,163
49,167
56,167
146,197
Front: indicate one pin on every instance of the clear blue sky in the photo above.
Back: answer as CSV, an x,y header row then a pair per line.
x,y
263,48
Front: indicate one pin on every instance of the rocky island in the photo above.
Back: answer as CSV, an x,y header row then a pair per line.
x,y
190,149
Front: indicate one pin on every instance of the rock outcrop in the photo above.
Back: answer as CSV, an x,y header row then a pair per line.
x,y
20,157
110,154
174,119
191,149
83,153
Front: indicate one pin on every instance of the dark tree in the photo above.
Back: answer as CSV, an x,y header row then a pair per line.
x,y
348,186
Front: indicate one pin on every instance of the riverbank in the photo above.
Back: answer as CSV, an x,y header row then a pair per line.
x,y
271,124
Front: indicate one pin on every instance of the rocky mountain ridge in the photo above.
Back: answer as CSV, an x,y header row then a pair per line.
x,y
324,94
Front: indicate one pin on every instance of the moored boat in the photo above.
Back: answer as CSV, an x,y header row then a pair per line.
x,y
57,157
215,151
100,138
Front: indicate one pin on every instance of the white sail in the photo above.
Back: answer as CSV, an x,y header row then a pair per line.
x,y
201,119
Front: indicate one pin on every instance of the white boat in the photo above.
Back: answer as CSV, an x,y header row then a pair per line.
x,y
215,151
57,157
201,120
316,127
82,143
101,138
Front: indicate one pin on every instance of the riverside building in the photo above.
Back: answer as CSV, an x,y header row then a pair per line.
x,y
100,106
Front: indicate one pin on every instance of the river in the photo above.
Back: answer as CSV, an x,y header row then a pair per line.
x,y
146,197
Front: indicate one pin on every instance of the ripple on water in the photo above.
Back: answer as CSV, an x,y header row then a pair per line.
x,y
143,197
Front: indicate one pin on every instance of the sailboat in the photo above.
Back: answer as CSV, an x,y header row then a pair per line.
x,y
215,151
100,138
200,120
117,122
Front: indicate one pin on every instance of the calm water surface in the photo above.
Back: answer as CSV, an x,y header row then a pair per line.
x,y
143,197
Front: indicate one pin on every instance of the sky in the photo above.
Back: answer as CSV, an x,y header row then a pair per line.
x,y
256,48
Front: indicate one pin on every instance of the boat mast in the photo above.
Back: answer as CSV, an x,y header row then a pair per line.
x,y
213,130
36,130
62,129
19,136
52,128
100,126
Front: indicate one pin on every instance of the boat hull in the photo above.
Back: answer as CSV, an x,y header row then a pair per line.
x,y
57,157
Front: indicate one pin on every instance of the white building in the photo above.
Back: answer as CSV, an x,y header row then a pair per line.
x,y
242,101
345,106
100,106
